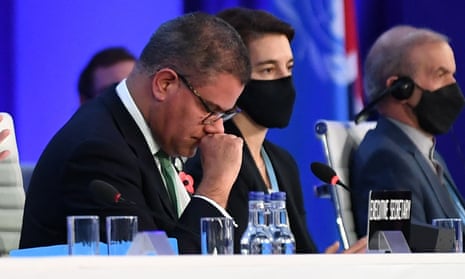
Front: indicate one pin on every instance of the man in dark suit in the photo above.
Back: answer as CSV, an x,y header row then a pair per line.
x,y
184,85
409,75
267,102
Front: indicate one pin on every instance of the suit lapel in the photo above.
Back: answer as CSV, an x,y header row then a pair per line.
x,y
434,183
448,203
136,141
251,172
279,168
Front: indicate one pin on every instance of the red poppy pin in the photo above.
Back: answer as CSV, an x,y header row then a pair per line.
x,y
188,181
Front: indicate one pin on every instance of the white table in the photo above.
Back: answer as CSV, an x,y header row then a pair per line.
x,y
345,266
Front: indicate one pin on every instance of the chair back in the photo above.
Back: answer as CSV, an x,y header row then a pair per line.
x,y
12,194
339,140
27,169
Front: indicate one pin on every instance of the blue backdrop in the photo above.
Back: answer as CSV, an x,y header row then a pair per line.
x,y
45,44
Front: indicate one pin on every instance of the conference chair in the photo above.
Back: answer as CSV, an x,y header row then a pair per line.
x,y
11,191
27,169
339,140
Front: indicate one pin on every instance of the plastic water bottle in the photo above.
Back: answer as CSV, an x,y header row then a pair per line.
x,y
256,239
267,208
283,238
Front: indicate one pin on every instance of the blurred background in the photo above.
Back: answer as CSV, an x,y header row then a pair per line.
x,y
45,44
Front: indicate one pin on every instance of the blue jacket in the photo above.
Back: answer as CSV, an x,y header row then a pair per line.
x,y
388,160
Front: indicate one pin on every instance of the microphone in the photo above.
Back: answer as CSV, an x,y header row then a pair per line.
x,y
326,174
107,193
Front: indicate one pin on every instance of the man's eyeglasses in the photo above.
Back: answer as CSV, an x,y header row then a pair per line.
x,y
212,116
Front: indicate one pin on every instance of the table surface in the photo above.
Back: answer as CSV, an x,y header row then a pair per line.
x,y
427,265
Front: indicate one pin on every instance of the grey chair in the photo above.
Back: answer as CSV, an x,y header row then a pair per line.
x,y
12,193
339,140
27,169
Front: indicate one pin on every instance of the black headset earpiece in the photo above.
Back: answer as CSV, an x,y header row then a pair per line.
x,y
401,89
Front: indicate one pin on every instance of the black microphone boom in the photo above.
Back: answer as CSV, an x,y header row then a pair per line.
x,y
105,192
326,174
365,112
404,88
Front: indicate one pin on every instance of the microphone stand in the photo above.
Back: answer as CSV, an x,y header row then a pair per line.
x,y
339,217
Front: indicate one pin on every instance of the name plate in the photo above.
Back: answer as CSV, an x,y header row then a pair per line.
x,y
388,211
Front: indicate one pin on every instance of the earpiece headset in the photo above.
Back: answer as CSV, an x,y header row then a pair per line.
x,y
401,89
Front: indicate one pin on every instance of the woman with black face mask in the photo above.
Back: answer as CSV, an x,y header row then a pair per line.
x,y
266,102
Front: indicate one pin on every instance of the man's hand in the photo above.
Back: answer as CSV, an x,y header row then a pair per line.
x,y
359,247
3,135
221,157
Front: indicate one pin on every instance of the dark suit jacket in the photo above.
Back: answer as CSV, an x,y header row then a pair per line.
x,y
388,160
102,141
249,179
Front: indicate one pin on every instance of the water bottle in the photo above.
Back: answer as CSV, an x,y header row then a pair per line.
x,y
283,238
267,208
256,239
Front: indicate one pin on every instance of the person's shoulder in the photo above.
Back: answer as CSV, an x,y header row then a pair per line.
x,y
278,151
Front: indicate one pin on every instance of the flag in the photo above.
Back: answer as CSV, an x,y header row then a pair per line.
x,y
355,89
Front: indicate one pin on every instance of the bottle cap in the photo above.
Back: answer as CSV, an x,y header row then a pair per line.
x,y
278,196
256,196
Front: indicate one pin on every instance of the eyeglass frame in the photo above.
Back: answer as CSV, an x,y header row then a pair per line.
x,y
212,116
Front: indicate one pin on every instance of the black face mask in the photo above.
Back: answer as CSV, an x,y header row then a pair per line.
x,y
438,110
269,102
